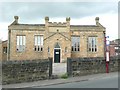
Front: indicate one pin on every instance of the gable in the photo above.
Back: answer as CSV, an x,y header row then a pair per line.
x,y
57,34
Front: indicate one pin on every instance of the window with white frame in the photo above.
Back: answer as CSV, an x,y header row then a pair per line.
x,y
92,44
75,43
38,43
21,40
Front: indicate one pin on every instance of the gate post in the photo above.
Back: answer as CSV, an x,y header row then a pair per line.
x,y
69,66
50,66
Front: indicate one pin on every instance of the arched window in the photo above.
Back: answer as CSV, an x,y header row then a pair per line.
x,y
57,45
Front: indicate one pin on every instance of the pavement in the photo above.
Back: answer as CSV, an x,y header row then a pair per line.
x,y
59,81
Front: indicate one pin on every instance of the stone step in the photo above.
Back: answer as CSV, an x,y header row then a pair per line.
x,y
59,68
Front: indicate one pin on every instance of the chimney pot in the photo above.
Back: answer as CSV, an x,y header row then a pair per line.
x,y
97,20
16,17
46,18
67,18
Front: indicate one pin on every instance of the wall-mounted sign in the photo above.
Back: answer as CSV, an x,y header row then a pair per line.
x,y
56,52
107,56
107,42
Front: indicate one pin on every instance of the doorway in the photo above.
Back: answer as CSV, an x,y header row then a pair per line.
x,y
56,55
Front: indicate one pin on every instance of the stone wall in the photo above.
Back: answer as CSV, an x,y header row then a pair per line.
x,y
87,66
26,70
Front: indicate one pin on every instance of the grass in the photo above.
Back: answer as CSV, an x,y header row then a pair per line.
x,y
64,76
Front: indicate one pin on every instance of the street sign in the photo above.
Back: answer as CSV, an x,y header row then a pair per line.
x,y
107,42
107,56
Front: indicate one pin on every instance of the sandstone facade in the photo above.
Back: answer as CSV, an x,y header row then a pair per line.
x,y
56,40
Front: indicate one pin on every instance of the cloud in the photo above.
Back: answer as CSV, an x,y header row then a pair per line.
x,y
80,13
35,10
4,31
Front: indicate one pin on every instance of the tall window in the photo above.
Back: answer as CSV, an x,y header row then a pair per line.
x,y
38,43
92,44
21,43
75,43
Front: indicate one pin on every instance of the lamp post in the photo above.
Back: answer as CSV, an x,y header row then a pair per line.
x,y
107,54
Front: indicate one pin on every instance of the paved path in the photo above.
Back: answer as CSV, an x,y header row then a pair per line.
x,y
60,81
59,68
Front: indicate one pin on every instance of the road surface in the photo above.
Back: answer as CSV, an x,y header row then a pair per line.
x,y
104,82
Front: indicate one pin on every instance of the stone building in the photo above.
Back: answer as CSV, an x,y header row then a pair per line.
x,y
55,39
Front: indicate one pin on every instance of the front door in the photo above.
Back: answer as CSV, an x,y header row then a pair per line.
x,y
56,55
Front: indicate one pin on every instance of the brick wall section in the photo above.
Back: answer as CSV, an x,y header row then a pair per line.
x,y
25,71
112,50
86,66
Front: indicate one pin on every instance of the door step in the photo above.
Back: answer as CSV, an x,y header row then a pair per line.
x,y
59,68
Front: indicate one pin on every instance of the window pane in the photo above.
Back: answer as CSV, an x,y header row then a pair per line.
x,y
38,42
17,40
20,40
38,48
35,48
78,39
72,48
20,48
75,43
42,40
92,44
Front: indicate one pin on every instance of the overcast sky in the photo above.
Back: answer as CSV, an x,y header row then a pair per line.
x,y
81,13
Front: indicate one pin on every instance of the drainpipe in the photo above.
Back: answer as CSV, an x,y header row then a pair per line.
x,y
104,44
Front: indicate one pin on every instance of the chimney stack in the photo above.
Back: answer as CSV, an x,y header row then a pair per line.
x,y
46,18
67,19
16,19
97,21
